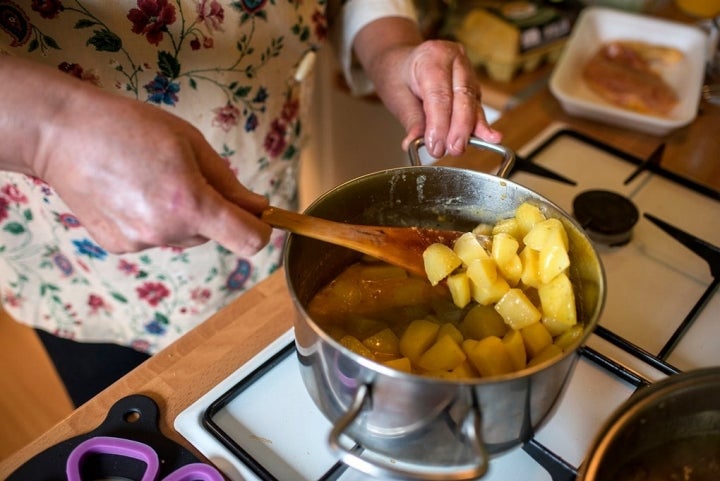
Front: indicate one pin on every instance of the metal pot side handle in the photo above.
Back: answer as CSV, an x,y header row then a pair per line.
x,y
471,428
504,170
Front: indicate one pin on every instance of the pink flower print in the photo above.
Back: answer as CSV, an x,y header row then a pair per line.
x,y
14,194
320,22
78,72
11,299
195,43
200,295
128,268
47,8
151,19
63,263
290,110
140,345
4,205
226,117
275,139
69,221
95,303
153,292
211,14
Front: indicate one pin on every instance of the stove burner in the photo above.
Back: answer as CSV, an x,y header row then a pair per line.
x,y
607,217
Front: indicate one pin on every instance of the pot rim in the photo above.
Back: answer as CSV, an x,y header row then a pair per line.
x,y
592,321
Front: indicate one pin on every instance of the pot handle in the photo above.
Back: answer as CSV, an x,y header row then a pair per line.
x,y
470,426
507,153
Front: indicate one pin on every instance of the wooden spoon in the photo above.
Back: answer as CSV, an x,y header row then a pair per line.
x,y
400,246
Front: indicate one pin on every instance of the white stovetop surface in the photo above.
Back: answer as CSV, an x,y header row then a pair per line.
x,y
277,422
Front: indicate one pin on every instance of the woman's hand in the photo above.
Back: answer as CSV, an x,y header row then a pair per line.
x,y
429,86
135,176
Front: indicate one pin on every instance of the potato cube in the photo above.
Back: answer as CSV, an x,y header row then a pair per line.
x,y
527,215
468,345
482,321
417,338
468,248
530,275
490,357
383,344
568,338
459,286
517,310
508,226
489,293
548,232
440,261
552,260
482,271
557,301
452,331
465,370
516,349
536,338
444,355
504,248
354,344
401,364
550,352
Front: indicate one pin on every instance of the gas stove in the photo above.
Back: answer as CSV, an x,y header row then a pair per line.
x,y
660,318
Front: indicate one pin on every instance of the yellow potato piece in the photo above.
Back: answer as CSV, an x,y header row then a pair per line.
x,y
482,271
401,364
548,232
557,300
482,321
552,260
468,248
440,261
489,293
417,338
536,338
550,352
508,226
383,344
527,216
568,338
530,275
516,349
354,344
504,247
490,357
459,286
449,329
517,310
444,355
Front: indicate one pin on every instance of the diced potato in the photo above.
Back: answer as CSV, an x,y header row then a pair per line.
x,y
417,338
536,338
483,229
504,248
516,349
569,337
527,215
489,293
468,345
548,232
490,357
459,286
401,364
557,300
362,327
444,355
512,270
530,275
508,226
440,261
482,271
482,321
468,248
553,260
354,344
548,353
465,370
517,310
383,344
449,329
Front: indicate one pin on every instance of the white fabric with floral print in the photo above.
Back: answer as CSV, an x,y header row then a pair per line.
x,y
227,67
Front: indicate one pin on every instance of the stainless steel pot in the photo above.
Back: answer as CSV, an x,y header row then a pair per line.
x,y
393,424
676,415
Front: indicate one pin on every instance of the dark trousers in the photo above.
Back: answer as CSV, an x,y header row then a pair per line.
x,y
88,368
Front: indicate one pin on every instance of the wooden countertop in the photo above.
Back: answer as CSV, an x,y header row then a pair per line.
x,y
183,372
